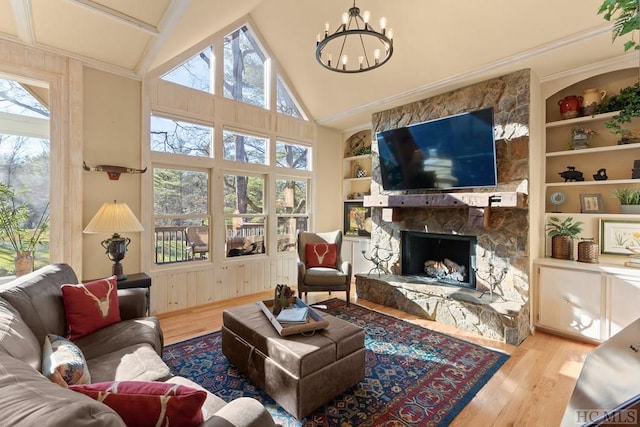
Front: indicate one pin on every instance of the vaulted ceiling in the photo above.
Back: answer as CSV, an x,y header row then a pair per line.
x,y
438,45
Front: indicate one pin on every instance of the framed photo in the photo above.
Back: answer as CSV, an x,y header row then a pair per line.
x,y
357,219
617,235
591,203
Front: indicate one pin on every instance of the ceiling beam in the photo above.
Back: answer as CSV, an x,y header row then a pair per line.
x,y
117,15
24,20
167,26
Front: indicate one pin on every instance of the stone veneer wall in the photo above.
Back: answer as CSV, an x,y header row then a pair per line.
x,y
504,243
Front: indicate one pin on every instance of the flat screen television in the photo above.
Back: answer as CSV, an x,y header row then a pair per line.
x,y
452,152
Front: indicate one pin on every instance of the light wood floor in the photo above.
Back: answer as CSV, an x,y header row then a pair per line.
x,y
531,389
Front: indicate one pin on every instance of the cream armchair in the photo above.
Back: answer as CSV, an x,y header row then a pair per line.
x,y
336,277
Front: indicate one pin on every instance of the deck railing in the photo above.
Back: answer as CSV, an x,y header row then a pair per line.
x,y
171,244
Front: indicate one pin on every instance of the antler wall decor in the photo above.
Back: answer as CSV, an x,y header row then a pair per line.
x,y
113,171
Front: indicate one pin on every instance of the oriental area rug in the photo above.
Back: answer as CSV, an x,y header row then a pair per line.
x,y
413,376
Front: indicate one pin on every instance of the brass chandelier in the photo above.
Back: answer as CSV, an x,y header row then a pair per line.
x,y
355,46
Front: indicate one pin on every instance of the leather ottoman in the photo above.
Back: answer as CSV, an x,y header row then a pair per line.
x,y
300,372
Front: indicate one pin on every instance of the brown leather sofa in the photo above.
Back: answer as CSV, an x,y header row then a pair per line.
x,y
31,307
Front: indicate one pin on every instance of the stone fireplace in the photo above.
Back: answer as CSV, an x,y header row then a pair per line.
x,y
446,259
494,300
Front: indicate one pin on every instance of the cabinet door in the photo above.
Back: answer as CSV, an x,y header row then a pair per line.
x,y
624,294
571,301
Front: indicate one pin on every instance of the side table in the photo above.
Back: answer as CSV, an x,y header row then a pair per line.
x,y
138,280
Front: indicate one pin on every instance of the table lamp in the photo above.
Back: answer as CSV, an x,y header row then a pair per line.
x,y
115,218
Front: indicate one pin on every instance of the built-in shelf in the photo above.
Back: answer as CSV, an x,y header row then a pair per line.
x,y
593,182
593,150
503,199
586,119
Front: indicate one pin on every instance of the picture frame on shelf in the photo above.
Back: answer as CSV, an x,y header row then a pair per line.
x,y
591,203
617,235
357,219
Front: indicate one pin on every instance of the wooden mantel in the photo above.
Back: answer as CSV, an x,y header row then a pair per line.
x,y
504,199
479,204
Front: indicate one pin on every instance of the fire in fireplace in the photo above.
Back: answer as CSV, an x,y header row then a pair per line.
x,y
439,258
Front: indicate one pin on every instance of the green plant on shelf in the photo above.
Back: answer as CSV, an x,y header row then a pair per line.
x,y
627,102
361,151
628,196
566,227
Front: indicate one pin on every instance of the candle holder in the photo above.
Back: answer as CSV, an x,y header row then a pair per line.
x,y
494,277
379,263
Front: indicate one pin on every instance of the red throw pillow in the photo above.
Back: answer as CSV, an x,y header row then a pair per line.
x,y
149,403
90,306
321,255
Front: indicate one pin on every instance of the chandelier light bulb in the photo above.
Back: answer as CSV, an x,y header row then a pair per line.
x,y
390,33
344,59
365,16
345,18
376,55
383,23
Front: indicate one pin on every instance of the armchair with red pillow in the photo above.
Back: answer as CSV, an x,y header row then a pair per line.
x,y
320,264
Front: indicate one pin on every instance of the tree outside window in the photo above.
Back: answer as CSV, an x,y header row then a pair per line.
x,y
244,215
244,68
291,210
180,202
179,137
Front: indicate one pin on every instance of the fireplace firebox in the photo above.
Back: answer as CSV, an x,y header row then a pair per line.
x,y
450,258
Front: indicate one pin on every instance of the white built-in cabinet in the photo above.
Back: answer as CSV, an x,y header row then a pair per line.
x,y
581,300
586,301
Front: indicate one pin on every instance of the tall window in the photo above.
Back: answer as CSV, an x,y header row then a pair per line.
x,y
24,172
181,212
291,210
194,73
244,215
245,67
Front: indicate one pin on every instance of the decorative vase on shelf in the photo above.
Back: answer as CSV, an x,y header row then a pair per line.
x,y
570,106
23,263
591,98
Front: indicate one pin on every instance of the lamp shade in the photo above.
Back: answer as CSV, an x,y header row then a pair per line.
x,y
114,218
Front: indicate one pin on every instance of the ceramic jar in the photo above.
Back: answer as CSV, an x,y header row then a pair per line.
x,y
570,106
591,98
